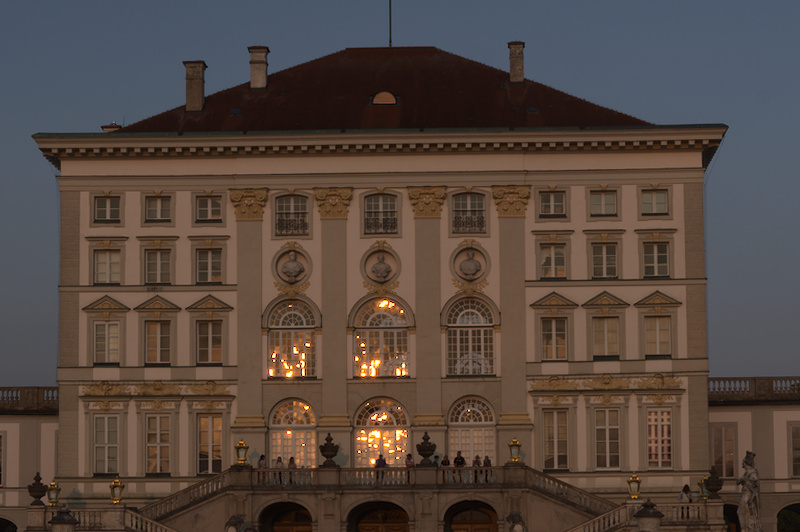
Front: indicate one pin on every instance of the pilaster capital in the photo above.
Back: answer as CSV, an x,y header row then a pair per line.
x,y
427,201
333,202
249,203
512,200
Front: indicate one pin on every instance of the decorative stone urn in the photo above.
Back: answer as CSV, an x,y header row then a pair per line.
x,y
425,450
328,450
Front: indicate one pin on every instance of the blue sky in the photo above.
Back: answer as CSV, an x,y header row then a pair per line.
x,y
72,66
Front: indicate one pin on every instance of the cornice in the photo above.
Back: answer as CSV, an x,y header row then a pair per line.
x,y
57,147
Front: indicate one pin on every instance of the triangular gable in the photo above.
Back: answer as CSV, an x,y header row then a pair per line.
x,y
210,303
605,300
554,300
106,304
658,299
158,304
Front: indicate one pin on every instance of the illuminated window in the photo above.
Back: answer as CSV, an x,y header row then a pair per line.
x,y
209,444
381,340
471,429
381,428
470,338
291,341
293,434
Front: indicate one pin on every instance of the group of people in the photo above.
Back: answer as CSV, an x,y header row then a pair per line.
x,y
262,463
458,461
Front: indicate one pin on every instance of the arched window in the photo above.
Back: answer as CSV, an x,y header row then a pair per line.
x,y
471,427
291,216
470,338
381,428
380,214
380,340
293,434
291,340
469,213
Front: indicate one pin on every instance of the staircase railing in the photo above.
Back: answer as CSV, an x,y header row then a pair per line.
x,y
185,497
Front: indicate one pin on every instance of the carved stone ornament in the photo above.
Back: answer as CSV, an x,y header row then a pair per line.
x,y
329,450
470,289
249,203
158,388
607,382
292,269
209,388
106,389
511,201
427,201
333,202
292,290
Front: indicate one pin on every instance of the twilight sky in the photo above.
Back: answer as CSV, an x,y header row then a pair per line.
x,y
72,66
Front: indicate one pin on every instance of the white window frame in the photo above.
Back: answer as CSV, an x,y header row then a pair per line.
x,y
157,209
206,332
556,439
106,209
549,329
158,270
111,335
603,208
605,265
655,202
106,444
293,433
723,449
212,436
208,209
471,429
660,449
381,215
158,442
470,338
208,265
381,427
381,340
107,266
553,260
606,340
469,214
608,439
553,204
656,257
658,327
158,342
292,341
292,210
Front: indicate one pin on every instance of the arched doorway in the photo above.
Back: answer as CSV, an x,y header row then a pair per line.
x,y
470,516
789,518
285,517
7,526
378,517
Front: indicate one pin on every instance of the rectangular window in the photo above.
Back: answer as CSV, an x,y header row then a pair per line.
x,y
554,338
604,261
157,446
209,342
157,342
655,202
555,439
106,444
606,338
209,444
208,209
603,203
106,209
157,266
553,261
1,461
157,209
659,438
657,336
209,266
107,266
796,451
469,214
656,259
380,215
106,342
723,450
291,216
552,204
606,427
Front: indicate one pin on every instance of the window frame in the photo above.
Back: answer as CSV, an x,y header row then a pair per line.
x,y
591,193
106,470
302,422
658,354
723,468
163,275
198,325
109,278
643,202
794,449
160,198
159,445
657,441
303,216
473,436
396,333
541,212
211,467
608,440
543,239
397,213
471,212
454,332
105,221
208,221
164,332
652,253
558,415
93,348
272,330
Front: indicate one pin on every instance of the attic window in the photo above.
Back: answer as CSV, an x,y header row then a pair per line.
x,y
384,98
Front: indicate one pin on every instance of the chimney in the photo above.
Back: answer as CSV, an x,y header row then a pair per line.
x,y
517,61
258,67
195,85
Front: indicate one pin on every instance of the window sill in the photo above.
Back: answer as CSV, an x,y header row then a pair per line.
x,y
157,475
209,364
208,221
105,475
111,222
106,364
551,216
288,379
609,358
658,357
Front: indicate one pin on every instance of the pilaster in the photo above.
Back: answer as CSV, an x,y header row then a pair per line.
x,y
249,207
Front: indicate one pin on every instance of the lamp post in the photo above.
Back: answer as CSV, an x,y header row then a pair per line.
x,y
634,486
116,491
513,448
52,493
241,452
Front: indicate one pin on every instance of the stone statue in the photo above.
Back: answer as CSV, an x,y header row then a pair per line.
x,y
470,267
380,269
292,269
750,500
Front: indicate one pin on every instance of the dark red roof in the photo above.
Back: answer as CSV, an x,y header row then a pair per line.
x,y
433,88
